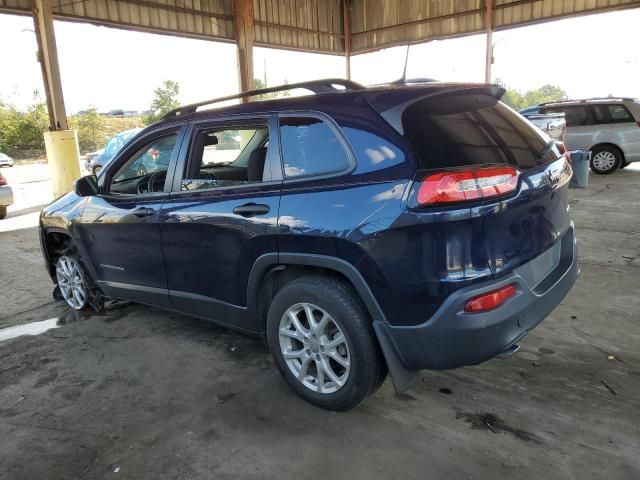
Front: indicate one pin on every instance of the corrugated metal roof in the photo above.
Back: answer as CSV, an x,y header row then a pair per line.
x,y
317,25
191,18
299,24
378,24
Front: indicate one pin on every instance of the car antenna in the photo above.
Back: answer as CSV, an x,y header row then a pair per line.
x,y
406,61
403,80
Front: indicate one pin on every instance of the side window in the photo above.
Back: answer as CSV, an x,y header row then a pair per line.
x,y
619,114
150,162
226,156
577,116
310,147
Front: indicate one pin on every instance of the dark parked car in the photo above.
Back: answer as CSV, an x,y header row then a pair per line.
x,y
358,230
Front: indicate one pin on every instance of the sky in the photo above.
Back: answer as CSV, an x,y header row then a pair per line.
x,y
109,68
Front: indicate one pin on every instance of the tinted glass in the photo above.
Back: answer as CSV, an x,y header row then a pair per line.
x,y
459,130
225,157
576,116
154,157
310,147
619,113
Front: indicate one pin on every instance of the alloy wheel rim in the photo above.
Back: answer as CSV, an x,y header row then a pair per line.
x,y
70,281
604,160
314,348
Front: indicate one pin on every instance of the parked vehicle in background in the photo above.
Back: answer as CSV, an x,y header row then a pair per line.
x,y
553,124
89,157
608,127
6,196
112,147
357,231
5,160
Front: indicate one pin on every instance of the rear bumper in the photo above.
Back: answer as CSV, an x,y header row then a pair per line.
x,y
452,338
6,196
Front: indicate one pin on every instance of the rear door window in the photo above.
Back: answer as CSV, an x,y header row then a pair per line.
x,y
463,130
310,147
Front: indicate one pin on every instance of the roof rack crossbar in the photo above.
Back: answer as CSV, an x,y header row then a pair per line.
x,y
588,100
315,86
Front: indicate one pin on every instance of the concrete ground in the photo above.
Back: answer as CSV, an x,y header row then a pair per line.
x,y
142,393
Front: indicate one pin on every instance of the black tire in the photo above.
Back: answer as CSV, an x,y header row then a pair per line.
x,y
605,150
3,211
337,298
624,165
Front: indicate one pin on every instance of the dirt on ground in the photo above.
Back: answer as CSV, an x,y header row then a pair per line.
x,y
139,392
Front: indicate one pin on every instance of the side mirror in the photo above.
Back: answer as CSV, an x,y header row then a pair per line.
x,y
86,186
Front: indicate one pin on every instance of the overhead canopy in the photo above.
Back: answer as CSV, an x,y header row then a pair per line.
x,y
319,25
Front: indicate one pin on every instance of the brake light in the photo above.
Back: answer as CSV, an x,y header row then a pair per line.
x,y
3,181
464,185
490,300
561,147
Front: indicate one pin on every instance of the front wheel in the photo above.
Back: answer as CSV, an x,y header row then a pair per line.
x,y
605,160
73,281
3,211
323,342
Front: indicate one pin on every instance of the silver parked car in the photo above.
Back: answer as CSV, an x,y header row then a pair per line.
x,y
6,196
112,147
608,127
5,160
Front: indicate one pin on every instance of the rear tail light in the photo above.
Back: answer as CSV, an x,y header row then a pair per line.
x,y
3,181
490,300
464,185
561,147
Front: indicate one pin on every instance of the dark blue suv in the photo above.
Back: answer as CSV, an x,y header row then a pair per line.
x,y
359,231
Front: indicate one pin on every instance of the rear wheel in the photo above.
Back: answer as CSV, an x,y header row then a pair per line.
x,y
605,159
3,211
323,343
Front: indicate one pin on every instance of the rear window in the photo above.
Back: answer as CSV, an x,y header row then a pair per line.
x,y
619,114
461,130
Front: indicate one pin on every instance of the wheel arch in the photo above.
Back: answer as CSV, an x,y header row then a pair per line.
x,y
54,241
267,264
611,145
260,279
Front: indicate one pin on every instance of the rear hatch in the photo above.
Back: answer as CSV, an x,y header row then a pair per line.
x,y
475,152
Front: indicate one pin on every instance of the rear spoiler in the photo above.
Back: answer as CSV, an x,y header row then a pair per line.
x,y
391,104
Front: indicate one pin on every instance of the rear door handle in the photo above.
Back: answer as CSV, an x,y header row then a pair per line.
x,y
251,209
144,212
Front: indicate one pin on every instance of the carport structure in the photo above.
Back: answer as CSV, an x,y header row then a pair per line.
x,y
338,27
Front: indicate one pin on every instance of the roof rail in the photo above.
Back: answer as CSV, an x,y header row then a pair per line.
x,y
315,86
584,100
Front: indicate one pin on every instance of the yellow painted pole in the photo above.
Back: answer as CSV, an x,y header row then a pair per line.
x,y
64,159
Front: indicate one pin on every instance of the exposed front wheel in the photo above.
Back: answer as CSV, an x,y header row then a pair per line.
x,y
605,160
72,281
323,342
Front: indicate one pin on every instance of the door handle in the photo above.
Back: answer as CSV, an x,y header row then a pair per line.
x,y
251,209
143,212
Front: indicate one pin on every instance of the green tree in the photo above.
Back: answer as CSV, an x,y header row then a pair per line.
x,y
165,99
92,129
22,130
518,100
